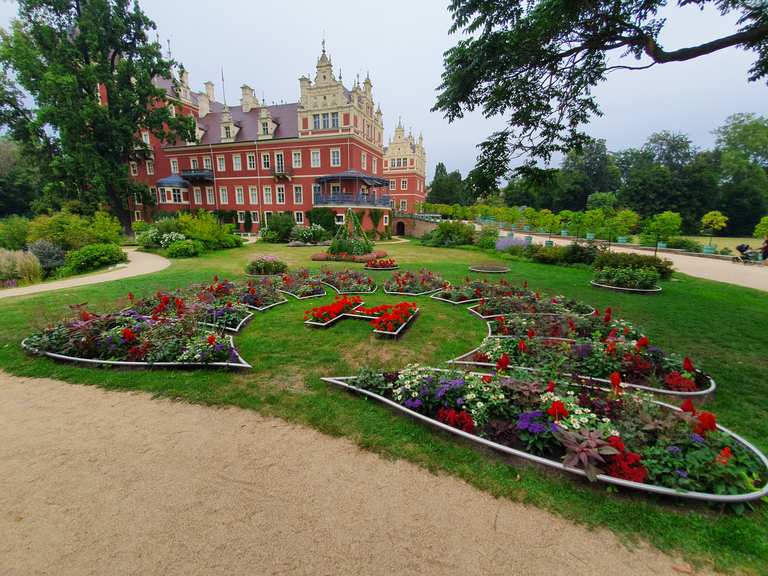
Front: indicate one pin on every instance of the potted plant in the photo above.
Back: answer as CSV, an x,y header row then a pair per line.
x,y
710,223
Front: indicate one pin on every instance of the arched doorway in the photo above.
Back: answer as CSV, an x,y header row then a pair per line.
x,y
400,228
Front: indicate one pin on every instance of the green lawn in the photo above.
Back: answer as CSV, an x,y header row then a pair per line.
x,y
722,327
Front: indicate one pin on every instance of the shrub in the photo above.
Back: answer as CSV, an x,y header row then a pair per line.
x,y
580,253
643,278
270,236
632,260
450,234
167,224
185,248
170,238
105,229
139,226
488,237
685,244
549,255
19,265
50,255
324,217
149,238
354,242
92,257
204,226
511,244
265,265
69,231
280,225
309,234
13,232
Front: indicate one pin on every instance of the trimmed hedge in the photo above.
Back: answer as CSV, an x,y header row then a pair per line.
x,y
92,257
638,278
632,260
185,249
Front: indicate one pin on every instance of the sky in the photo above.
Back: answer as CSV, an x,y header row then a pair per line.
x,y
400,43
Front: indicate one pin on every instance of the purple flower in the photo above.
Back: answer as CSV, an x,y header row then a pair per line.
x,y
582,351
412,403
681,473
507,242
674,450
697,438
459,401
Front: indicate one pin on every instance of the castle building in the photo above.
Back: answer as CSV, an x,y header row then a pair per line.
x,y
257,159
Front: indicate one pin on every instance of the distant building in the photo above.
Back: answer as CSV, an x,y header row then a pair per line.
x,y
257,159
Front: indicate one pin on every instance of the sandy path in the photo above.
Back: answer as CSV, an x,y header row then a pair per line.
x,y
95,482
138,263
708,268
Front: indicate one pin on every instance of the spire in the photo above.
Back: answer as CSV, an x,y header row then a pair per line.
x,y
223,90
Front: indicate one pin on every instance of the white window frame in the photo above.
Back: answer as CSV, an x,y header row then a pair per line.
x,y
339,218
198,195
239,195
207,164
210,195
193,165
255,216
267,214
279,192
153,191
294,155
337,153
221,163
177,196
335,188
386,219
375,165
240,217
265,160
174,166
403,183
253,194
279,162
315,121
403,205
145,137
251,158
223,195
138,216
363,160
298,217
134,168
298,188
267,191
150,167
334,119
237,162
393,184
315,160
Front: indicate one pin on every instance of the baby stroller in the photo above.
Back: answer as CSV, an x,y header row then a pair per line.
x,y
747,255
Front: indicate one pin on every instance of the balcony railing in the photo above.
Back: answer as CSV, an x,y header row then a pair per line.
x,y
197,175
321,199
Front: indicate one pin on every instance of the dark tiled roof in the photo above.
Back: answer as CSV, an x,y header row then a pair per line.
x,y
167,85
284,115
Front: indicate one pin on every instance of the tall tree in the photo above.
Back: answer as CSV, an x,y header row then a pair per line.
x,y
672,150
539,61
446,188
746,133
89,65
588,170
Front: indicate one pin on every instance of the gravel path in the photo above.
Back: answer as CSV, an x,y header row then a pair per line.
x,y
138,263
95,482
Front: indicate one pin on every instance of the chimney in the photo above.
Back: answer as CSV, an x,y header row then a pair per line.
x,y
209,91
247,101
203,105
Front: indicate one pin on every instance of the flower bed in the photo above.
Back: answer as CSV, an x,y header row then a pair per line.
x,y
615,436
637,280
130,339
349,281
326,315
381,264
414,283
473,291
301,285
265,266
346,257
562,326
634,363
260,295
528,302
654,290
488,269
390,320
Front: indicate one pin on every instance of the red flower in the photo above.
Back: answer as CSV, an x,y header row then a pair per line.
x,y
487,379
642,343
616,442
216,278
724,457
611,348
706,423
503,363
607,317
596,313
551,386
531,333
688,364
616,382
522,346
676,381
211,339
128,335
130,296
687,406
557,410
612,334
462,420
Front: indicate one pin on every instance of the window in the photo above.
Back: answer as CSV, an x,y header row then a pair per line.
x,y
134,169
299,217
335,157
172,110
237,163
267,214
198,195
339,219
207,163
265,161
280,193
386,219
364,161
375,165
153,192
145,137
325,121
335,189
137,199
193,163
253,194
403,205
279,163
221,164
240,216
174,166
227,132
210,198
405,162
254,216
298,194
138,216
296,159
150,167
334,119
223,195
239,197
392,185
265,127
315,158
316,121
267,194
251,161
403,184
177,196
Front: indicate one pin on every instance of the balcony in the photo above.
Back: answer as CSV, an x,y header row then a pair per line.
x,y
281,173
344,200
197,175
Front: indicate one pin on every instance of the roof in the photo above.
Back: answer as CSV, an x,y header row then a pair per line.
x,y
368,179
173,181
284,115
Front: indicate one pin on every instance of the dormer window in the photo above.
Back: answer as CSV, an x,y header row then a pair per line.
x,y
227,132
265,127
